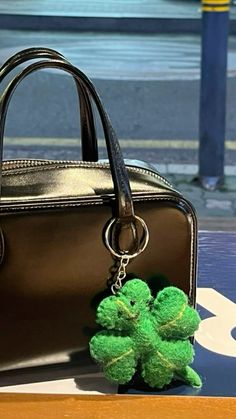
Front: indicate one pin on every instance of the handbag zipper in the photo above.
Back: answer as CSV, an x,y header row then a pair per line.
x,y
21,164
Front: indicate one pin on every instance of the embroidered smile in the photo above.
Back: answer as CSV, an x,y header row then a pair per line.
x,y
123,306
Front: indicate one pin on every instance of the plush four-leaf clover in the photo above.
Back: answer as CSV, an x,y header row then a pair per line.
x,y
151,333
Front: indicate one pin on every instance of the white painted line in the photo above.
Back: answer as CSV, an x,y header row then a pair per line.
x,y
161,168
182,169
230,170
125,143
188,169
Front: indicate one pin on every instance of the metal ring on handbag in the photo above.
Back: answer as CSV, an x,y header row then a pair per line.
x,y
120,255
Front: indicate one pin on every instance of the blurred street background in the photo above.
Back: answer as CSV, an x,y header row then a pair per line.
x,y
144,58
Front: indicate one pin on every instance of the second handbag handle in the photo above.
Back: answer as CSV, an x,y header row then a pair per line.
x,y
88,130
124,210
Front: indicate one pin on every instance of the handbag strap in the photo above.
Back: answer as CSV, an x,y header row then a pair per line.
x,y
124,210
88,130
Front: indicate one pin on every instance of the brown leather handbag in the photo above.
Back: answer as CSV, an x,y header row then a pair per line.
x,y
65,224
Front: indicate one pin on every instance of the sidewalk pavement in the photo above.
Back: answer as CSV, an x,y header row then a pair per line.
x,y
216,210
188,9
103,8
147,16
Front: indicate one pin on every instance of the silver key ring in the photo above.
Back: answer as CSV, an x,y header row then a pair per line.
x,y
126,254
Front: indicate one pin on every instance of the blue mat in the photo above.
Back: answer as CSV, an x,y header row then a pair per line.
x,y
215,347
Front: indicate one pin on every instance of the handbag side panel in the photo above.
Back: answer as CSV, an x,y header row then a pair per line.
x,y
55,270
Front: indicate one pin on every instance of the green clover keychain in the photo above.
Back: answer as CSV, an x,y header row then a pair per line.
x,y
145,332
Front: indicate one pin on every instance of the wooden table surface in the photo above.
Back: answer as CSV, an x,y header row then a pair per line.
x,y
115,407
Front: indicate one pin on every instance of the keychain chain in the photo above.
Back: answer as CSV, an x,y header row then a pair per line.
x,y
124,257
121,274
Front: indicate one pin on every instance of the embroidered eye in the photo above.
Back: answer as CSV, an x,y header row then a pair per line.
x,y
132,303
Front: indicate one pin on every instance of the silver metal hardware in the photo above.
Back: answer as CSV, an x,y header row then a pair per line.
x,y
121,274
120,255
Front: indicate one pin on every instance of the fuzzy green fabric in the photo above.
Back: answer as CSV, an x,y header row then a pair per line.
x,y
148,331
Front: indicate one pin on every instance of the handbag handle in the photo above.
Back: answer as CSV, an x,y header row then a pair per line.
x,y
88,130
124,204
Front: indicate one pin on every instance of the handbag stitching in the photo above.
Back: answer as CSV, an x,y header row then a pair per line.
x,y
58,205
171,199
45,167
